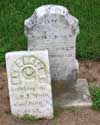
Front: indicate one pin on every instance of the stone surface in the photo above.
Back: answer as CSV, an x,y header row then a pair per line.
x,y
65,97
52,27
29,83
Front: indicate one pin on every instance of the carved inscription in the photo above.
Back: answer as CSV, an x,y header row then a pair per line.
x,y
28,68
34,100
52,27
29,84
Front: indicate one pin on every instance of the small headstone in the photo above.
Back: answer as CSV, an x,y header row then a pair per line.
x,y
29,84
52,27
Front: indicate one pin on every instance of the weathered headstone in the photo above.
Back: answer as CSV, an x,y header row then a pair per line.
x,y
29,83
52,27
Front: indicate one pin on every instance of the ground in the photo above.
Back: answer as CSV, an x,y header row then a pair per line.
x,y
73,116
12,16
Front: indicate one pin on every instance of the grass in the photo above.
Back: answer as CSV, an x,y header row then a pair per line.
x,y
95,93
28,118
14,12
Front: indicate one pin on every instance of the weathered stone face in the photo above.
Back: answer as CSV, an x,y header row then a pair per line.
x,y
52,27
29,83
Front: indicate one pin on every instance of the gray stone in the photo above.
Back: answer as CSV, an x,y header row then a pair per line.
x,y
29,83
77,97
52,27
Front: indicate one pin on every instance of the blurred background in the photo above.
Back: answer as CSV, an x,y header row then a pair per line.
x,y
14,12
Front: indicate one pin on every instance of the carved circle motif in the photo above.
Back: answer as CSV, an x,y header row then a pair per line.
x,y
28,72
28,68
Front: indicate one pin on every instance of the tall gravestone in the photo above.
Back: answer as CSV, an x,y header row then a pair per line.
x,y
52,27
29,84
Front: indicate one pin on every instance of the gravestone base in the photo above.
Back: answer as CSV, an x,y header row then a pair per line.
x,y
77,97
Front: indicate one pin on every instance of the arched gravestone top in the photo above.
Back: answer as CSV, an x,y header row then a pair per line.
x,y
52,27
50,10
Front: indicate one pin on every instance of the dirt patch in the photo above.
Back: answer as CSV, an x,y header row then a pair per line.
x,y
82,116
91,71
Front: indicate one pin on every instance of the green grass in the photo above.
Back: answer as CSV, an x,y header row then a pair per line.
x,y
28,118
95,93
14,12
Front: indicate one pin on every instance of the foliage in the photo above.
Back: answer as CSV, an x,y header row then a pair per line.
x,y
14,12
28,117
95,93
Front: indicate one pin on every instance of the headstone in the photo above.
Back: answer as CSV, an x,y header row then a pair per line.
x,y
52,27
29,83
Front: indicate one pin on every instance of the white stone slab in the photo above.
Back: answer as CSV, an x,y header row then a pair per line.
x,y
29,83
76,97
52,27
